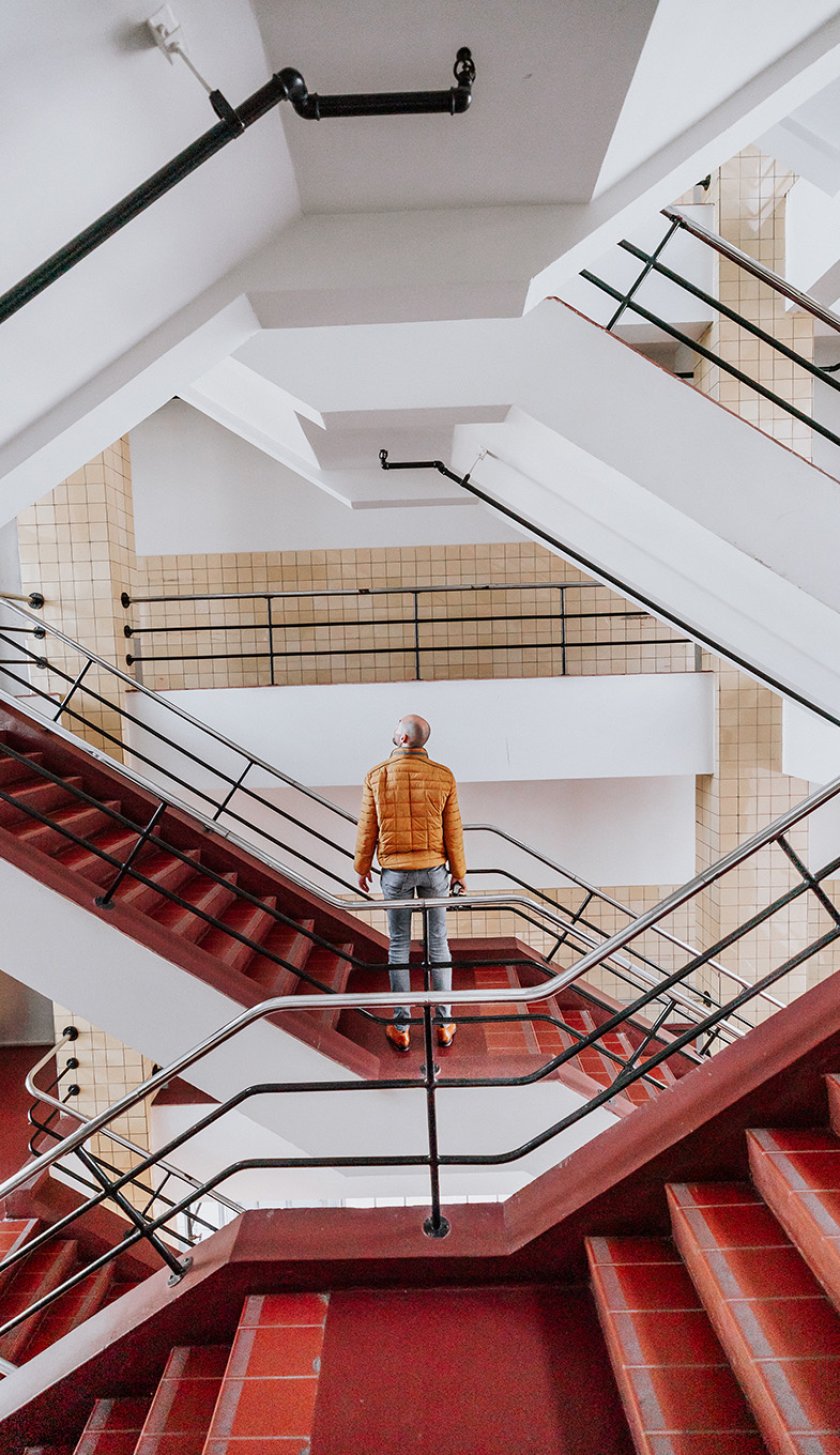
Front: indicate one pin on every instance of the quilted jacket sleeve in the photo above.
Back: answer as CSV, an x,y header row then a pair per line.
x,y
367,832
453,836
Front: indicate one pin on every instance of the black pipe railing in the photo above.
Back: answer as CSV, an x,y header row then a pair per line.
x,y
417,636
285,85
224,798
656,1056
530,911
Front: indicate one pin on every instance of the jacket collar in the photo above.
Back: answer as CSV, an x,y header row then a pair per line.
x,y
409,753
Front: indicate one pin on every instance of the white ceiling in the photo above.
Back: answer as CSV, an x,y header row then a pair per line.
x,y
398,222
551,80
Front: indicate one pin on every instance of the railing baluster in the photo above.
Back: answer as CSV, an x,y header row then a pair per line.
x,y
103,901
436,1225
77,682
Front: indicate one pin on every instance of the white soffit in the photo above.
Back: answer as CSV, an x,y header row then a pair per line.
x,y
551,80
695,56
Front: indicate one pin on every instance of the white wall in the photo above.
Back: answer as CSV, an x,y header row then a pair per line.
x,y
645,725
198,488
596,773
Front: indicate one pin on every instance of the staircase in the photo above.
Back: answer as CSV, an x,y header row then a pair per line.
x,y
702,516
723,1339
37,1275
200,921
726,1337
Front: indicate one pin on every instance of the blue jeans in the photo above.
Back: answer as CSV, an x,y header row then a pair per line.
x,y
426,884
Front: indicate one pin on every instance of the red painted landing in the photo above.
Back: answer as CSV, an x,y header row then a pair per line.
x,y
466,1372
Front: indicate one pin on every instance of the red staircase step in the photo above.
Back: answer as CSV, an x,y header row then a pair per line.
x,y
167,870
509,1032
253,921
118,1288
679,1394
13,1233
797,1173
780,1333
78,819
39,794
11,770
72,1308
182,1407
290,944
114,1427
268,1394
38,1274
331,969
204,894
86,861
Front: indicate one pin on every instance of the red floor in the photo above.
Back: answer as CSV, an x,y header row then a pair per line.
x,y
413,1371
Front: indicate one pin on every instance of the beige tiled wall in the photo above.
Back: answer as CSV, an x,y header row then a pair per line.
x,y
749,788
378,630
77,547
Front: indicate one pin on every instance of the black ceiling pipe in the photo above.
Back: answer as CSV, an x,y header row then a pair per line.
x,y
286,85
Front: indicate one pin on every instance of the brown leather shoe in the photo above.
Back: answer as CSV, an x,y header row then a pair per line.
x,y
446,1033
400,1037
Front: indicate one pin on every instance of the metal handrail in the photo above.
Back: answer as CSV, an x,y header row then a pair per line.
x,y
565,928
261,764
68,1110
411,643
423,999
753,266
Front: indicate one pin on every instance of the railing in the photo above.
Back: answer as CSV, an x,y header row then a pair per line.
x,y
652,263
210,772
648,1058
43,1127
411,637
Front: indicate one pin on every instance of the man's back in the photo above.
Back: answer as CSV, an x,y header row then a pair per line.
x,y
410,814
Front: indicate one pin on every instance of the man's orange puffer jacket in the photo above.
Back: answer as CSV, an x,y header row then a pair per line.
x,y
410,816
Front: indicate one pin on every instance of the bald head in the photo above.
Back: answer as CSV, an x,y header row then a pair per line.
x,y
411,732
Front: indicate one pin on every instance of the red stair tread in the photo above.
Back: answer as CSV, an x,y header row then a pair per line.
x,y
40,794
202,893
78,819
271,1381
115,841
679,1394
254,921
183,1403
11,770
38,1274
332,969
114,1427
72,1308
779,1330
797,1173
290,944
167,870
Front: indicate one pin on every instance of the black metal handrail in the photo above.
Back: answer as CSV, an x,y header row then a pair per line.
x,y
575,932
652,262
436,1225
64,1107
225,807
416,649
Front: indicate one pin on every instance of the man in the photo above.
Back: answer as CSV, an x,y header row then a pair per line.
x,y
410,817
